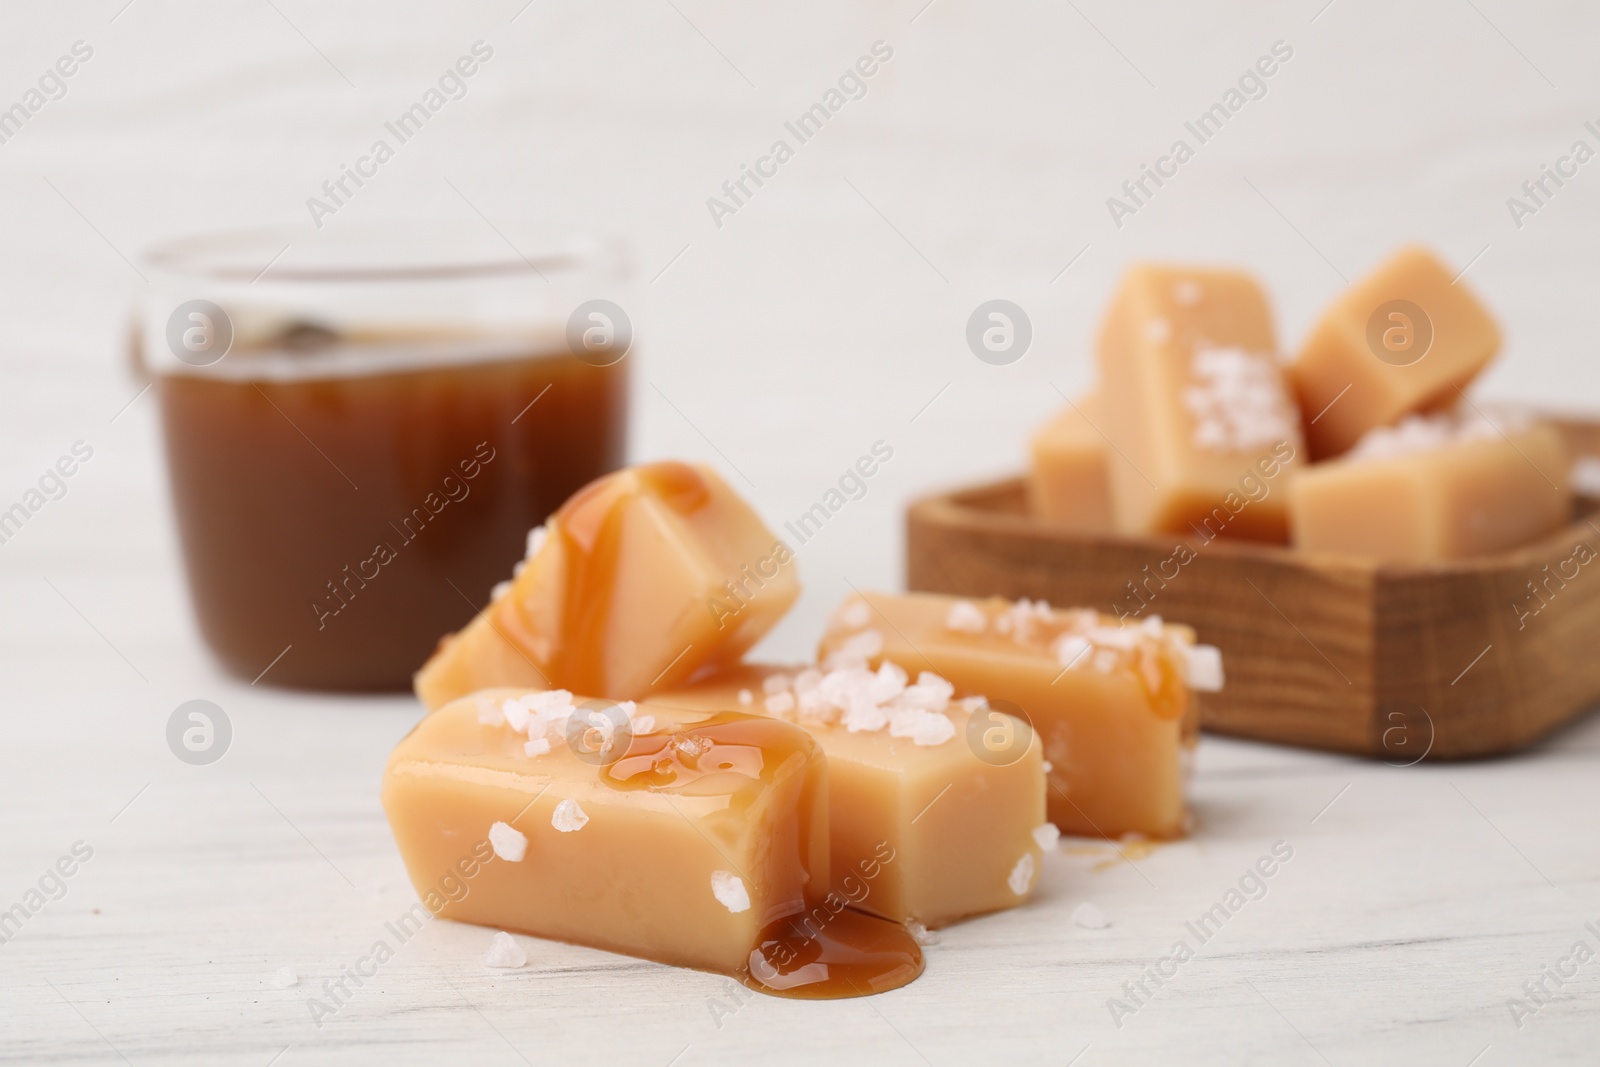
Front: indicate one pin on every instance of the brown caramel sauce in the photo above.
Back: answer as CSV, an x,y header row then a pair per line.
x,y
811,952
354,518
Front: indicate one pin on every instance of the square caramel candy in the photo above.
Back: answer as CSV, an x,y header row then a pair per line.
x,y
1196,401
926,825
639,580
1111,703
1404,339
1442,487
693,839
1069,481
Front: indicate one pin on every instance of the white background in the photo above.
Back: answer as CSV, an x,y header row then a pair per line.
x,y
824,316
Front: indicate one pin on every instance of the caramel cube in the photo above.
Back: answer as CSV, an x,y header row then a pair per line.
x,y
1196,401
639,580
925,827
692,839
1435,488
1069,483
1111,703
1403,339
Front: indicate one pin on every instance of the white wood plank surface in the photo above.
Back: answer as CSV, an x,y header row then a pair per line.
x,y
825,315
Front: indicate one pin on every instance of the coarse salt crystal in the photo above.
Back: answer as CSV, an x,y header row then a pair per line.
x,y
499,590
1021,876
921,934
855,614
539,746
644,724
504,952
516,713
1046,836
1071,649
1187,292
568,816
536,539
1048,766
921,726
863,714
1090,917
508,842
774,683
780,703
488,712
693,745
888,683
966,617
746,698
285,977
1202,668
1586,476
729,890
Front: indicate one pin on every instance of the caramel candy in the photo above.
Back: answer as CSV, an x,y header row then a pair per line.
x,y
1111,703
1401,340
1196,401
1069,484
924,827
694,839
1442,487
640,579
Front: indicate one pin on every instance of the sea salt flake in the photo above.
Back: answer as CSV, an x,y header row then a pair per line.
x,y
923,727
774,683
1071,649
864,714
888,683
921,934
499,590
966,617
539,746
489,712
568,817
1202,668
1586,476
730,892
1046,836
508,842
746,698
1090,917
855,614
644,724
536,539
779,703
1021,877
516,713
692,745
504,952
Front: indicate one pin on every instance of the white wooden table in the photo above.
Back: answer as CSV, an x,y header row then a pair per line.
x,y
825,315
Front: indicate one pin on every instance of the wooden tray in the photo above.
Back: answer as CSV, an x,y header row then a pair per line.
x,y
1399,663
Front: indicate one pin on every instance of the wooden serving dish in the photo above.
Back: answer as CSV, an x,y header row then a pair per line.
x,y
1396,662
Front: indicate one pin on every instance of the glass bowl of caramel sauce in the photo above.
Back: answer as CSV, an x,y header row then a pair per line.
x,y
361,430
